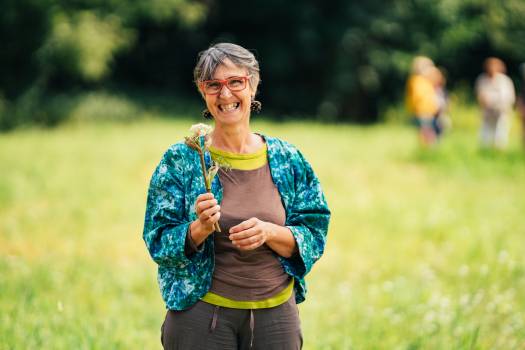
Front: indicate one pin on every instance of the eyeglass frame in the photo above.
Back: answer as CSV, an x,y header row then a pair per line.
x,y
224,82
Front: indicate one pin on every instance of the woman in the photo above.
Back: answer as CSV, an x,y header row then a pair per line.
x,y
238,288
496,97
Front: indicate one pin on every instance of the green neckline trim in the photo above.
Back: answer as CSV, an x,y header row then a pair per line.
x,y
241,161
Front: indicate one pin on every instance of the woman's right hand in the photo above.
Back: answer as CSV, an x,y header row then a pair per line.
x,y
208,213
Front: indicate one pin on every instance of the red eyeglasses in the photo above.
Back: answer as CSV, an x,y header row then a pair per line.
x,y
214,87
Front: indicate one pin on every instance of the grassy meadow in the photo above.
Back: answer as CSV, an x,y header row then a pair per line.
x,y
425,249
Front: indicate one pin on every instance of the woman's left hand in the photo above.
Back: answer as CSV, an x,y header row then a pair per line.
x,y
251,234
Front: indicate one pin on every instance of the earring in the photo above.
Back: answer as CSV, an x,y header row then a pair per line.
x,y
206,114
256,106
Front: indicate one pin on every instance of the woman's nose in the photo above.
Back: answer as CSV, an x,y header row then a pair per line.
x,y
225,92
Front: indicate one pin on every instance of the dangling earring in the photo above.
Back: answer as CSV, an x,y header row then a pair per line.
x,y
206,114
256,106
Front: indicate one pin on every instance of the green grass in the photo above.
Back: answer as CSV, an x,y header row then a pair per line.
x,y
425,249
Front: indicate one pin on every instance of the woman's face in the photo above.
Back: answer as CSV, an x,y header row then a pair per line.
x,y
230,107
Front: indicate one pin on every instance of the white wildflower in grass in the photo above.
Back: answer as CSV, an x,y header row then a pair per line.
x,y
427,273
484,270
444,303
388,286
503,256
60,306
195,141
478,297
396,319
464,300
463,270
458,331
429,317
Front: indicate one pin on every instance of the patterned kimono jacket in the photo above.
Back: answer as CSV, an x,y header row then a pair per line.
x,y
174,187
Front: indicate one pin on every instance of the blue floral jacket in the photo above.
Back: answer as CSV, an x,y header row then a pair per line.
x,y
174,187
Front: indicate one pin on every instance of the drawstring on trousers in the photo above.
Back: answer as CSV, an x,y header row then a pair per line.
x,y
214,318
252,326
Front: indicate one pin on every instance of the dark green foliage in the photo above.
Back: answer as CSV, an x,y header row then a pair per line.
x,y
336,60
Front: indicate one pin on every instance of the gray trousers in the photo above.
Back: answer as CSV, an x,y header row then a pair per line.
x,y
206,326
495,128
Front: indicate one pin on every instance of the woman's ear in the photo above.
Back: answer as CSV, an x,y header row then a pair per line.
x,y
199,87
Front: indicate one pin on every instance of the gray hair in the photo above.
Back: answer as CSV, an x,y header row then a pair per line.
x,y
213,57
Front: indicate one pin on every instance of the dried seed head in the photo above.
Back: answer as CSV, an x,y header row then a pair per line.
x,y
200,129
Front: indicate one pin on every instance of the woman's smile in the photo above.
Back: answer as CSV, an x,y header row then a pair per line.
x,y
230,107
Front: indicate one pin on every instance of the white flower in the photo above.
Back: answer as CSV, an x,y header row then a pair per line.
x,y
200,129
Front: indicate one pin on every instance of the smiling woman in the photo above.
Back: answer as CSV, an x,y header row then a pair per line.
x,y
235,289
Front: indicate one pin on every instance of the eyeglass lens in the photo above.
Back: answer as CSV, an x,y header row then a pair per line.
x,y
233,83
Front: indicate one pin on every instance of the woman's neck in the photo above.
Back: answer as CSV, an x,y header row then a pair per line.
x,y
236,139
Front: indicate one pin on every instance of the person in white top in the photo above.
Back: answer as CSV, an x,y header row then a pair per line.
x,y
496,96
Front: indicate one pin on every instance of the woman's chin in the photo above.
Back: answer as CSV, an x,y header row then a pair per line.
x,y
229,118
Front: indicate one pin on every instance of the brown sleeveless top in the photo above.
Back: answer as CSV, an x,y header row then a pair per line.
x,y
255,274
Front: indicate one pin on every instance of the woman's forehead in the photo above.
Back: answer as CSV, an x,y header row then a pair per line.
x,y
228,69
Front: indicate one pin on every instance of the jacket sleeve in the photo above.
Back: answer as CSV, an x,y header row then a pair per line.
x,y
166,223
307,218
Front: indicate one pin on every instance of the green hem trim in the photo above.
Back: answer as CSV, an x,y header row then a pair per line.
x,y
281,298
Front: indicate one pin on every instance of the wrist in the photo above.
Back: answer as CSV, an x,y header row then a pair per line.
x,y
271,232
198,232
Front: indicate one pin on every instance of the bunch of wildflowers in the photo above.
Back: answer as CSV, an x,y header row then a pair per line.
x,y
194,141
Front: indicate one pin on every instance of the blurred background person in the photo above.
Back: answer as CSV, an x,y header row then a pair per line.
x,y
521,103
441,120
496,96
421,99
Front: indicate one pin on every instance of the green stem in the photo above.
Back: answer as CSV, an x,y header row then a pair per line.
x,y
204,173
216,226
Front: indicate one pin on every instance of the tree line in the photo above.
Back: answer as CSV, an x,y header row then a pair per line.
x,y
335,60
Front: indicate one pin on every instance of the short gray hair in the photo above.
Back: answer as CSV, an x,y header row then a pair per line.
x,y
214,56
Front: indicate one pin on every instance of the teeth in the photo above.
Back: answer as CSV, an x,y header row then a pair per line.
x,y
229,107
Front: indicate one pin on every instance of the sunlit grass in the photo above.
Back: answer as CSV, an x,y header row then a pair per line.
x,y
425,249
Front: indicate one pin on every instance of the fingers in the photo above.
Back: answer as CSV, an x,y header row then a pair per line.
x,y
204,196
204,202
207,209
244,235
253,238
211,220
210,213
244,225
